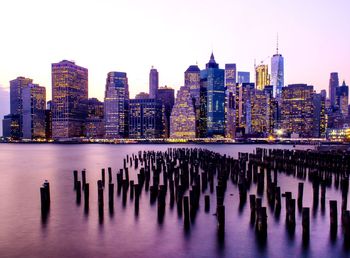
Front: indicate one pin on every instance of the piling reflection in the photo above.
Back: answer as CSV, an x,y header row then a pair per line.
x,y
180,177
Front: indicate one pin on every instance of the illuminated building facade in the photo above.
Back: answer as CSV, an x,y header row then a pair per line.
x,y
342,99
260,113
192,81
333,85
145,119
94,122
277,75
339,135
213,79
262,77
320,124
183,118
167,97
297,111
34,106
244,93
16,99
69,90
153,83
230,83
11,127
243,77
116,105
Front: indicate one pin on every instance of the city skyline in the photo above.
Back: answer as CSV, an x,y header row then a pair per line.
x,y
317,36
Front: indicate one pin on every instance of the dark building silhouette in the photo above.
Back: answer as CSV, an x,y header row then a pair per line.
x,y
153,83
167,96
333,84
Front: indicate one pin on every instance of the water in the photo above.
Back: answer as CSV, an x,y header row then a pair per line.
x,y
70,232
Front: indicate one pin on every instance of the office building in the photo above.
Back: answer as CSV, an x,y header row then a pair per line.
x,y
230,84
243,107
94,122
243,77
297,111
262,77
69,90
11,127
277,74
16,99
342,99
167,96
333,85
34,106
145,119
116,105
153,83
213,82
192,81
183,118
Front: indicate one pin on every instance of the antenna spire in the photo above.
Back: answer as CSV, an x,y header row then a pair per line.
x,y
277,44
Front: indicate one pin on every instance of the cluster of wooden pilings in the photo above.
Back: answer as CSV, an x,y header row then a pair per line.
x,y
186,174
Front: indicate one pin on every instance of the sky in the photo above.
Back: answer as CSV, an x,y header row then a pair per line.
x,y
132,35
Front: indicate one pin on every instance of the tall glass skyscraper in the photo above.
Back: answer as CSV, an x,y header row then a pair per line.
x,y
214,78
342,99
192,81
277,74
243,77
153,83
16,99
333,85
116,105
230,83
34,106
69,90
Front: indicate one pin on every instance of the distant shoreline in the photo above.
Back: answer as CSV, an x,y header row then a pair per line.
x,y
143,142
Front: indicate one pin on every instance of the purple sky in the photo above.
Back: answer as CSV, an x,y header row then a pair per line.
x,y
133,35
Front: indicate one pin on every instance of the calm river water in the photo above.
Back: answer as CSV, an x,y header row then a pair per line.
x,y
70,232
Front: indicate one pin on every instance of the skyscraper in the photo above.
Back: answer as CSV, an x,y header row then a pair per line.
x,y
262,77
243,77
319,128
297,111
244,93
94,122
333,84
277,74
230,84
153,83
34,106
69,90
192,81
183,118
260,113
16,99
214,80
342,99
167,97
116,105
145,119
